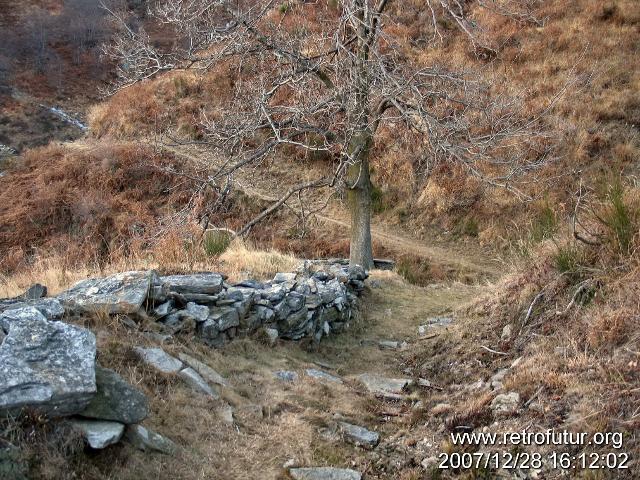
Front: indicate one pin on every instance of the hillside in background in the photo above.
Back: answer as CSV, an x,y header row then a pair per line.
x,y
538,289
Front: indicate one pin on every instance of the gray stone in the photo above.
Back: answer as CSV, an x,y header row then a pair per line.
x,y
284,277
286,375
195,381
35,292
272,335
294,321
320,375
123,293
99,434
146,440
226,414
199,313
200,298
13,465
391,388
51,308
163,309
208,373
359,435
282,310
159,359
209,330
226,317
274,293
324,473
505,404
295,301
389,344
48,366
116,400
266,314
206,283
254,284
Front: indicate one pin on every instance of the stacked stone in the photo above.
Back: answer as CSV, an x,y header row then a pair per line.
x,y
296,305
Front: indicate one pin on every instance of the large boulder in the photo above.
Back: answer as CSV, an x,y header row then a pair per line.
x,y
123,293
48,366
51,308
116,400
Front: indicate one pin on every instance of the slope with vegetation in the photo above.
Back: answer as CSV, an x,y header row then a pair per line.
x,y
559,327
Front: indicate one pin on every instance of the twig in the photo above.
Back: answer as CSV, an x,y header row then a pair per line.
x,y
493,351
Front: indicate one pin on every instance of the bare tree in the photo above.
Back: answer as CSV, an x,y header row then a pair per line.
x,y
329,85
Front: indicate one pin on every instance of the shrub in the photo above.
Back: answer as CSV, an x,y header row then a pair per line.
x,y
216,241
619,219
568,260
544,224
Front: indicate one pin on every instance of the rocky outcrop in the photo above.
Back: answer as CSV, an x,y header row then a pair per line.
x,y
46,365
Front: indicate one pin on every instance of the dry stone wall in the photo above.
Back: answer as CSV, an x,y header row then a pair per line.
x,y
50,366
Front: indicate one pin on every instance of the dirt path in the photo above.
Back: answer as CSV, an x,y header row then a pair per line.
x,y
468,260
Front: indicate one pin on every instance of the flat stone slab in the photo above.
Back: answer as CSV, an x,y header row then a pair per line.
x,y
123,293
324,473
203,283
286,375
392,388
320,375
195,381
144,439
51,308
159,359
48,366
116,400
359,435
208,373
99,434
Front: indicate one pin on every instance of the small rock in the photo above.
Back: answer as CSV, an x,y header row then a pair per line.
x,y
35,292
507,331
429,463
159,359
208,373
320,375
284,277
226,414
324,473
359,435
286,375
388,344
99,434
226,317
116,400
199,313
505,404
272,335
391,388
163,309
144,440
195,381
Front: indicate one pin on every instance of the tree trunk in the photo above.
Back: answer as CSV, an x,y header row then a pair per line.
x,y
359,200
